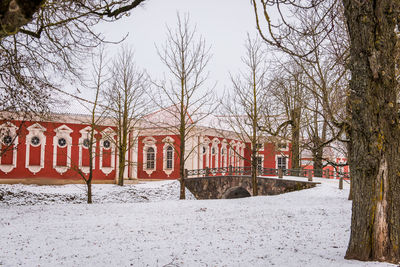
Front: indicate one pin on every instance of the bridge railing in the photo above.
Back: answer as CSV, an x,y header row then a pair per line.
x,y
230,170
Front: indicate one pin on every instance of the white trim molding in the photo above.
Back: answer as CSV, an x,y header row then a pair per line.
x,y
85,135
224,154
62,132
282,156
35,130
149,142
215,148
9,129
107,134
168,142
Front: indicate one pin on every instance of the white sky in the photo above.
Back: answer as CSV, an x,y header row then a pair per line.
x,y
223,23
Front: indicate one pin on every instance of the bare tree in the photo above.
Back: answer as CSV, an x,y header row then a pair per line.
x,y
186,57
126,104
97,117
287,100
373,125
245,107
42,45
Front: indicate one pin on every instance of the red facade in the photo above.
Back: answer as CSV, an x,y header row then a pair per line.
x,y
59,150
46,158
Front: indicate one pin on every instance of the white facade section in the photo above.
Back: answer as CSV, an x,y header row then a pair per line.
x,y
9,129
35,131
62,132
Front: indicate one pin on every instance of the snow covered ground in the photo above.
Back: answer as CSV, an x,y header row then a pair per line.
x,y
145,225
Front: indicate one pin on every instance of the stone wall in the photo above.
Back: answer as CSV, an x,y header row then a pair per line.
x,y
214,187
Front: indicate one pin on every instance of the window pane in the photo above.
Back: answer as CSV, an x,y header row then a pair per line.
x,y
169,157
150,158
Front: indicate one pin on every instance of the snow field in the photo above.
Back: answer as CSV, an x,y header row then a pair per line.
x,y
303,228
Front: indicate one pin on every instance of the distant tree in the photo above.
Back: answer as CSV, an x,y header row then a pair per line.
x,y
126,104
287,101
245,107
96,119
186,57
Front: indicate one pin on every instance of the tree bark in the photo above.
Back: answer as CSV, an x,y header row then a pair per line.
x,y
182,164
375,133
15,14
89,191
295,149
254,166
317,159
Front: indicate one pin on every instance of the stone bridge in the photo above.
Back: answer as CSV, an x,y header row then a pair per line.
x,y
214,187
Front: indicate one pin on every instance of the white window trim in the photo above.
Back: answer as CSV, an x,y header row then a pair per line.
x,y
168,141
35,130
225,155
206,144
84,135
107,134
262,160
215,146
11,130
168,171
62,132
281,156
232,148
149,142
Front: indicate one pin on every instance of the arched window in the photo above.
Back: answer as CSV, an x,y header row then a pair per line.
x,y
150,158
170,157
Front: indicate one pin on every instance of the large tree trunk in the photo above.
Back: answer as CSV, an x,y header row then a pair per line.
x,y
121,165
15,14
295,149
318,161
374,157
254,168
89,191
182,169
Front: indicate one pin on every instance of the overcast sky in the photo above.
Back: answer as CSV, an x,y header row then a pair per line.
x,y
223,23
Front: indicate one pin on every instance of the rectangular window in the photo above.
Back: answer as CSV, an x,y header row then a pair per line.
x,y
260,165
150,161
169,159
282,163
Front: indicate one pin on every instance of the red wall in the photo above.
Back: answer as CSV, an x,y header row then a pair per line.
x,y
48,171
158,173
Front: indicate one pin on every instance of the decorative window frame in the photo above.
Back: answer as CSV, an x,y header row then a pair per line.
x,y
224,157
62,132
282,156
206,144
11,130
35,130
107,134
262,161
215,143
84,135
149,142
232,153
168,142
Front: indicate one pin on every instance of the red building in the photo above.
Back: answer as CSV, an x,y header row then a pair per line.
x,y
55,150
